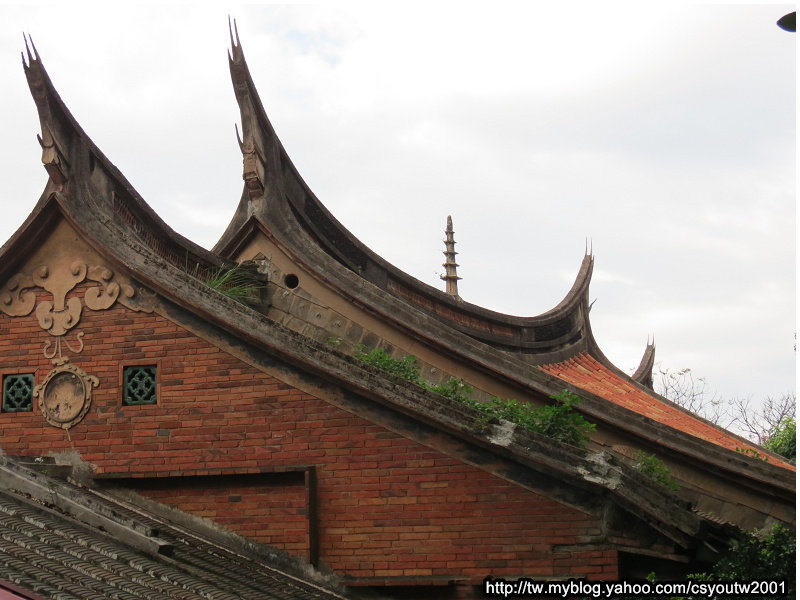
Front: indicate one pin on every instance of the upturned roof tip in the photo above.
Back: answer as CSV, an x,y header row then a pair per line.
x,y
31,57
236,44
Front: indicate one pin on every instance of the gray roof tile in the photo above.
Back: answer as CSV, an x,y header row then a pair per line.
x,y
58,554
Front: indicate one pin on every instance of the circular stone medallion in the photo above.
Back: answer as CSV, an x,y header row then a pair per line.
x,y
65,395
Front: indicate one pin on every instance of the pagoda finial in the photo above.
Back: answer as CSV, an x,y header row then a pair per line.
x,y
450,276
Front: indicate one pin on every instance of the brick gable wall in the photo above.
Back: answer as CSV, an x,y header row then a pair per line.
x,y
271,508
388,506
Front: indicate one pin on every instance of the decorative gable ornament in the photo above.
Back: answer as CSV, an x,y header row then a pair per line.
x,y
65,394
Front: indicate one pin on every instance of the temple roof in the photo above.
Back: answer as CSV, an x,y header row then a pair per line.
x,y
81,176
276,197
92,195
62,540
586,372
276,201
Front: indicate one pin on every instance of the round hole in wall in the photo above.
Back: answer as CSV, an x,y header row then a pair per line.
x,y
291,281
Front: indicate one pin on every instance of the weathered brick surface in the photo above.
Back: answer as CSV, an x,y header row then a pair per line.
x,y
268,508
388,506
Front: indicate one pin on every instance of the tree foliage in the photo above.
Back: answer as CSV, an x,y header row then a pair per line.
x,y
755,558
783,439
750,558
761,423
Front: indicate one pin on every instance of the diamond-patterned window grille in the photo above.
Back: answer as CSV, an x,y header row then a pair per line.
x,y
18,393
139,385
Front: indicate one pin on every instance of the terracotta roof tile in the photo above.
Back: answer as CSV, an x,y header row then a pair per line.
x,y
589,374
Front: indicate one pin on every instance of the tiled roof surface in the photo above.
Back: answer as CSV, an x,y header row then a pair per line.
x,y
589,374
58,556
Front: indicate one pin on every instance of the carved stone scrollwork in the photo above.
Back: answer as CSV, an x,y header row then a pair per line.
x,y
17,298
61,315
98,298
57,317
65,395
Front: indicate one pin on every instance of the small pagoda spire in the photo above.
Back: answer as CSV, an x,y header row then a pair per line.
x,y
450,265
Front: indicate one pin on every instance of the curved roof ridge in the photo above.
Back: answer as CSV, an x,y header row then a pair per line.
x,y
271,181
74,161
579,289
644,372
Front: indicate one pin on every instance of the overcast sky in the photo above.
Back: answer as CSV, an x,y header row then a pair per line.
x,y
665,135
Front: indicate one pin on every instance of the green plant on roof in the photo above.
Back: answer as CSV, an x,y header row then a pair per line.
x,y
752,453
454,388
408,369
404,368
235,283
654,468
333,341
559,421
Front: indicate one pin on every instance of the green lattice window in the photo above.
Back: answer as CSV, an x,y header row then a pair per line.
x,y
18,393
139,385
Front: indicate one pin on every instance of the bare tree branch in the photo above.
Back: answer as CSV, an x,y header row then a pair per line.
x,y
691,393
759,424
757,421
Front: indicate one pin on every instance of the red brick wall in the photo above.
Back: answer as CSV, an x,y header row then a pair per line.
x,y
388,506
270,508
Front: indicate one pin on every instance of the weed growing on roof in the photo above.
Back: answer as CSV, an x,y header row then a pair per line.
x,y
752,453
404,368
333,341
557,421
408,369
655,469
235,283
454,388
